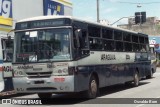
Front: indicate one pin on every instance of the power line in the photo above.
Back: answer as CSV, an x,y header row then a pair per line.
x,y
139,2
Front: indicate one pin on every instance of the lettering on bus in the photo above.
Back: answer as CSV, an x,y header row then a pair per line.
x,y
50,66
108,57
25,67
7,68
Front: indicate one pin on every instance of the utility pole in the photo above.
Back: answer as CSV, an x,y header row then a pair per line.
x,y
98,11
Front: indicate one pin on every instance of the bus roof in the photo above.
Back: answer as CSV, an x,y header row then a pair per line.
x,y
73,18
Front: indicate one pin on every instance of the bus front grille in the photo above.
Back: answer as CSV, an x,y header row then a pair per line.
x,y
39,74
41,88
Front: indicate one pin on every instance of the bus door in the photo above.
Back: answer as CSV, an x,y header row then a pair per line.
x,y
1,78
1,73
7,53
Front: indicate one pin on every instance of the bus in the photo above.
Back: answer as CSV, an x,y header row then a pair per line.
x,y
6,55
63,54
153,61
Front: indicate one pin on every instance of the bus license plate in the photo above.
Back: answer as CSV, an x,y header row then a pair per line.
x,y
39,82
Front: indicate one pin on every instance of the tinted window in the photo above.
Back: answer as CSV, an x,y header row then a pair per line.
x,y
136,47
107,33
127,37
119,46
141,40
143,48
146,40
95,44
135,38
108,45
128,46
94,31
117,35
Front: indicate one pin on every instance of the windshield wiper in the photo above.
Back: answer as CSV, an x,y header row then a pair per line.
x,y
50,51
27,58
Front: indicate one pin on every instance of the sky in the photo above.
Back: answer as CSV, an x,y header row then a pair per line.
x,y
112,10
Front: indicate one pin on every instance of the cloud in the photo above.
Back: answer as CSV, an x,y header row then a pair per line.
x,y
109,10
114,0
89,18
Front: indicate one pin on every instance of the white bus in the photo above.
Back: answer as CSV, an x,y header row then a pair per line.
x,y
6,54
62,54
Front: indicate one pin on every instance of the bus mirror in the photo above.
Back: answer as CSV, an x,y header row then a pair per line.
x,y
78,34
9,38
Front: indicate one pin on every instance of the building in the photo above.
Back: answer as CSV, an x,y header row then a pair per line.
x,y
12,11
150,27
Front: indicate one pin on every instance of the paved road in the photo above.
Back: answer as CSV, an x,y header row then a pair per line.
x,y
149,88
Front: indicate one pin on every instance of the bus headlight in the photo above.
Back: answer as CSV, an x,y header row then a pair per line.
x,y
65,70
18,73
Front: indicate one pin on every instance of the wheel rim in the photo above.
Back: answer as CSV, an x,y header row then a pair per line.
x,y
136,79
93,87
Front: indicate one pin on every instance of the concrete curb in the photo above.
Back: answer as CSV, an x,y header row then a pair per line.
x,y
7,93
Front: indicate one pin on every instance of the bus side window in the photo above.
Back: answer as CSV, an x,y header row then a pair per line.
x,y
119,46
84,40
95,44
108,45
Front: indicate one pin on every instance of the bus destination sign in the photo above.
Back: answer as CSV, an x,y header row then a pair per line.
x,y
42,23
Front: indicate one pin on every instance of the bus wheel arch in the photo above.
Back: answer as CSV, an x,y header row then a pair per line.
x,y
136,78
151,74
44,95
93,86
96,76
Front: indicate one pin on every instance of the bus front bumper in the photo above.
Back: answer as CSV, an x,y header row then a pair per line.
x,y
54,84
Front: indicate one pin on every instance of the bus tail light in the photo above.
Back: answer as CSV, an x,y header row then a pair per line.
x,y
72,70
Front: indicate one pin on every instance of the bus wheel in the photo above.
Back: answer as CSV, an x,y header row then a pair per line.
x,y
136,79
93,88
150,75
44,95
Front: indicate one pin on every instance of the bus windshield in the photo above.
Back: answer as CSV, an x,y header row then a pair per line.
x,y
42,45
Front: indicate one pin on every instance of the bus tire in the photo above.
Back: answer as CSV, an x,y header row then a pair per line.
x,y
136,79
44,95
92,92
150,75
